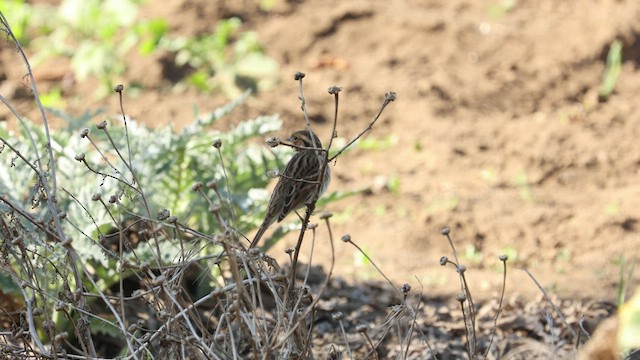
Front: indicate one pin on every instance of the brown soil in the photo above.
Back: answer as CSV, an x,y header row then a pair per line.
x,y
500,134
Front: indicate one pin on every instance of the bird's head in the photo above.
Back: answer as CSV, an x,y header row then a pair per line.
x,y
302,138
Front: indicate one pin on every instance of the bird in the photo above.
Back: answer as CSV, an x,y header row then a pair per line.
x,y
297,185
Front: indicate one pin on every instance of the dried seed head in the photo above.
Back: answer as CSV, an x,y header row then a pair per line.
x,y
212,185
333,90
461,269
362,328
80,157
346,238
444,260
197,186
504,257
299,75
172,219
273,173
325,215
312,226
102,125
113,199
461,297
163,214
217,143
62,214
273,141
390,96
338,315
66,242
84,133
445,231
96,197
406,288
289,251
118,88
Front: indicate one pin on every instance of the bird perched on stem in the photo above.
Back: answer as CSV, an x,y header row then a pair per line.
x,y
299,182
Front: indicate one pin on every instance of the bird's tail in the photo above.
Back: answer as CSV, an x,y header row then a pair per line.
x,y
259,234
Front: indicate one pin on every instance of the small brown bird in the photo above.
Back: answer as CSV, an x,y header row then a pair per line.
x,y
297,184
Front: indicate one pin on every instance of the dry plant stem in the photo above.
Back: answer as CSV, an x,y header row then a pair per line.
x,y
495,319
373,348
424,337
226,177
378,269
215,293
344,337
51,192
320,292
126,128
106,160
555,308
388,98
466,333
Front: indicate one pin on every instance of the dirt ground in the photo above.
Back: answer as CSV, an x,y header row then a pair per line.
x,y
497,131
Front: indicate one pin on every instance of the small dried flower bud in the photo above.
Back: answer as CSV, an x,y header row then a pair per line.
x,y
461,269
118,88
325,215
102,125
17,240
163,214
163,315
60,337
133,327
80,157
62,214
158,280
172,219
444,260
96,197
66,242
338,315
113,199
346,238
289,251
461,297
48,325
362,328
273,141
212,185
197,186
406,288
273,173
333,90
24,285
84,133
504,257
445,231
37,311
390,96
217,143
299,75
312,226
59,306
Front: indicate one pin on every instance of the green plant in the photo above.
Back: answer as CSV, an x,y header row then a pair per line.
x,y
226,59
612,70
627,268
